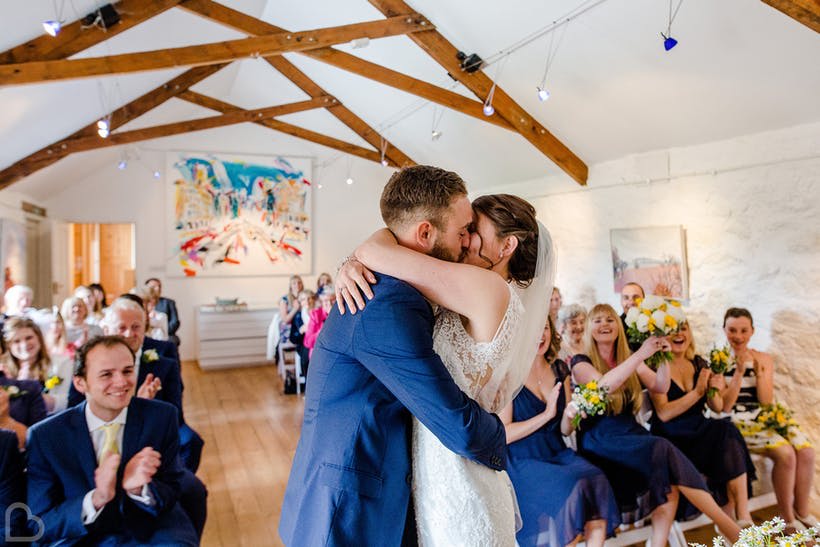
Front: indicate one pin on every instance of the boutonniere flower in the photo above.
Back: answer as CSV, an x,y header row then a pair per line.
x,y
150,355
53,382
13,391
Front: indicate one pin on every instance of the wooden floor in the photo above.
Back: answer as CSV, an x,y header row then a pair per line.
x,y
251,430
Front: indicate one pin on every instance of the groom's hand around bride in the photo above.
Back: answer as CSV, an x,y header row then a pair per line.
x,y
352,281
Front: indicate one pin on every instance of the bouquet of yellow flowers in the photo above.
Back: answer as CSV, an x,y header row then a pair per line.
x,y
589,398
52,382
720,361
654,316
776,417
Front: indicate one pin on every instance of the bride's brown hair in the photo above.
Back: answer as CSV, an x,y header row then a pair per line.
x,y
513,216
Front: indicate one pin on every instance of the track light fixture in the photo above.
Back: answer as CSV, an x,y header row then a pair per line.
x,y
54,26
668,41
104,128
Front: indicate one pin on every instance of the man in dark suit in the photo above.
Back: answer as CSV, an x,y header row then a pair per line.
x,y
119,482
350,480
158,378
168,307
631,294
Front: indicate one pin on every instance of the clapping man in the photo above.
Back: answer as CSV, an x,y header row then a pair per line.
x,y
107,471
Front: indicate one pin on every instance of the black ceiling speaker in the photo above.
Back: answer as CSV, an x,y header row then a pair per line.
x,y
469,63
106,17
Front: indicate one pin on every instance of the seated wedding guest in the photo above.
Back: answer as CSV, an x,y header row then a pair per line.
x,y
555,304
324,280
17,300
157,377
317,317
168,307
560,494
99,296
572,321
21,406
28,359
12,487
750,385
716,447
93,308
157,320
289,307
120,483
631,294
75,313
165,348
646,472
55,337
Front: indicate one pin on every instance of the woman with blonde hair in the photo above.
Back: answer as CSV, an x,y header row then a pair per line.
x,y
28,359
646,472
78,330
716,447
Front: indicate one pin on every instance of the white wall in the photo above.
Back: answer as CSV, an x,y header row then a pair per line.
x,y
750,207
343,215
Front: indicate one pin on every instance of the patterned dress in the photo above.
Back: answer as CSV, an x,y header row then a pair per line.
x,y
459,502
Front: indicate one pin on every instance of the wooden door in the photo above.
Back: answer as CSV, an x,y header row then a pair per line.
x,y
116,258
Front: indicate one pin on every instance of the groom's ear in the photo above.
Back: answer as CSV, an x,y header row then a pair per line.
x,y
425,235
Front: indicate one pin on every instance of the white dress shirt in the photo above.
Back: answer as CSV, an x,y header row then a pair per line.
x,y
95,428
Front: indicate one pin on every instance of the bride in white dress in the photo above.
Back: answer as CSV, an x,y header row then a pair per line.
x,y
486,333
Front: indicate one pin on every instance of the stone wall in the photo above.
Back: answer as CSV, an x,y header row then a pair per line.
x,y
750,208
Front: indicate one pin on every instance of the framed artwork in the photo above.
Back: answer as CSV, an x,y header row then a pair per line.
x,y
238,215
12,252
654,258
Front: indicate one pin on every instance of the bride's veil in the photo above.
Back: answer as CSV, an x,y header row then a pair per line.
x,y
509,375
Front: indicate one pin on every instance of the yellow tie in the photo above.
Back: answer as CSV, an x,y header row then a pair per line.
x,y
110,442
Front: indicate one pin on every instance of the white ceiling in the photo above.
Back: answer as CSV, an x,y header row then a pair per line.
x,y
740,68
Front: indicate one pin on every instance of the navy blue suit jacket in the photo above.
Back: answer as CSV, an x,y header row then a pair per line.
x,y
61,465
350,480
163,368
12,485
28,408
165,349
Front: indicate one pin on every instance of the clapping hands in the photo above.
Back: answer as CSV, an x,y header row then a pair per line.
x,y
140,470
150,387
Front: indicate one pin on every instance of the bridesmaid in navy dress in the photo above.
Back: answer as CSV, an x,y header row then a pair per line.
x,y
646,472
560,494
716,447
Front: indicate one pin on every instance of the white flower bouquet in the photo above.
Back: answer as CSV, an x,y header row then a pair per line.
x,y
654,316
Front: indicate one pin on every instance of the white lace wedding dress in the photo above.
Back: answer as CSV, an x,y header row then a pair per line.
x,y
457,501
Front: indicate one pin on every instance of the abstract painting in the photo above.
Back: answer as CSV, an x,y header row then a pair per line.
x,y
238,215
654,258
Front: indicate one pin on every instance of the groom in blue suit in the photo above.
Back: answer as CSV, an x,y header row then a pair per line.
x,y
107,472
350,480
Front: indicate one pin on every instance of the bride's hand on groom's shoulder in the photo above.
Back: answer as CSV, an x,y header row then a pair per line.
x,y
353,282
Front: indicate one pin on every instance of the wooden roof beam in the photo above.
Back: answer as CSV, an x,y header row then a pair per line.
x,y
806,12
283,127
82,144
345,61
442,51
73,38
251,25
136,108
207,54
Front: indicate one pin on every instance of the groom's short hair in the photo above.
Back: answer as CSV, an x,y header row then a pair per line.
x,y
420,192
